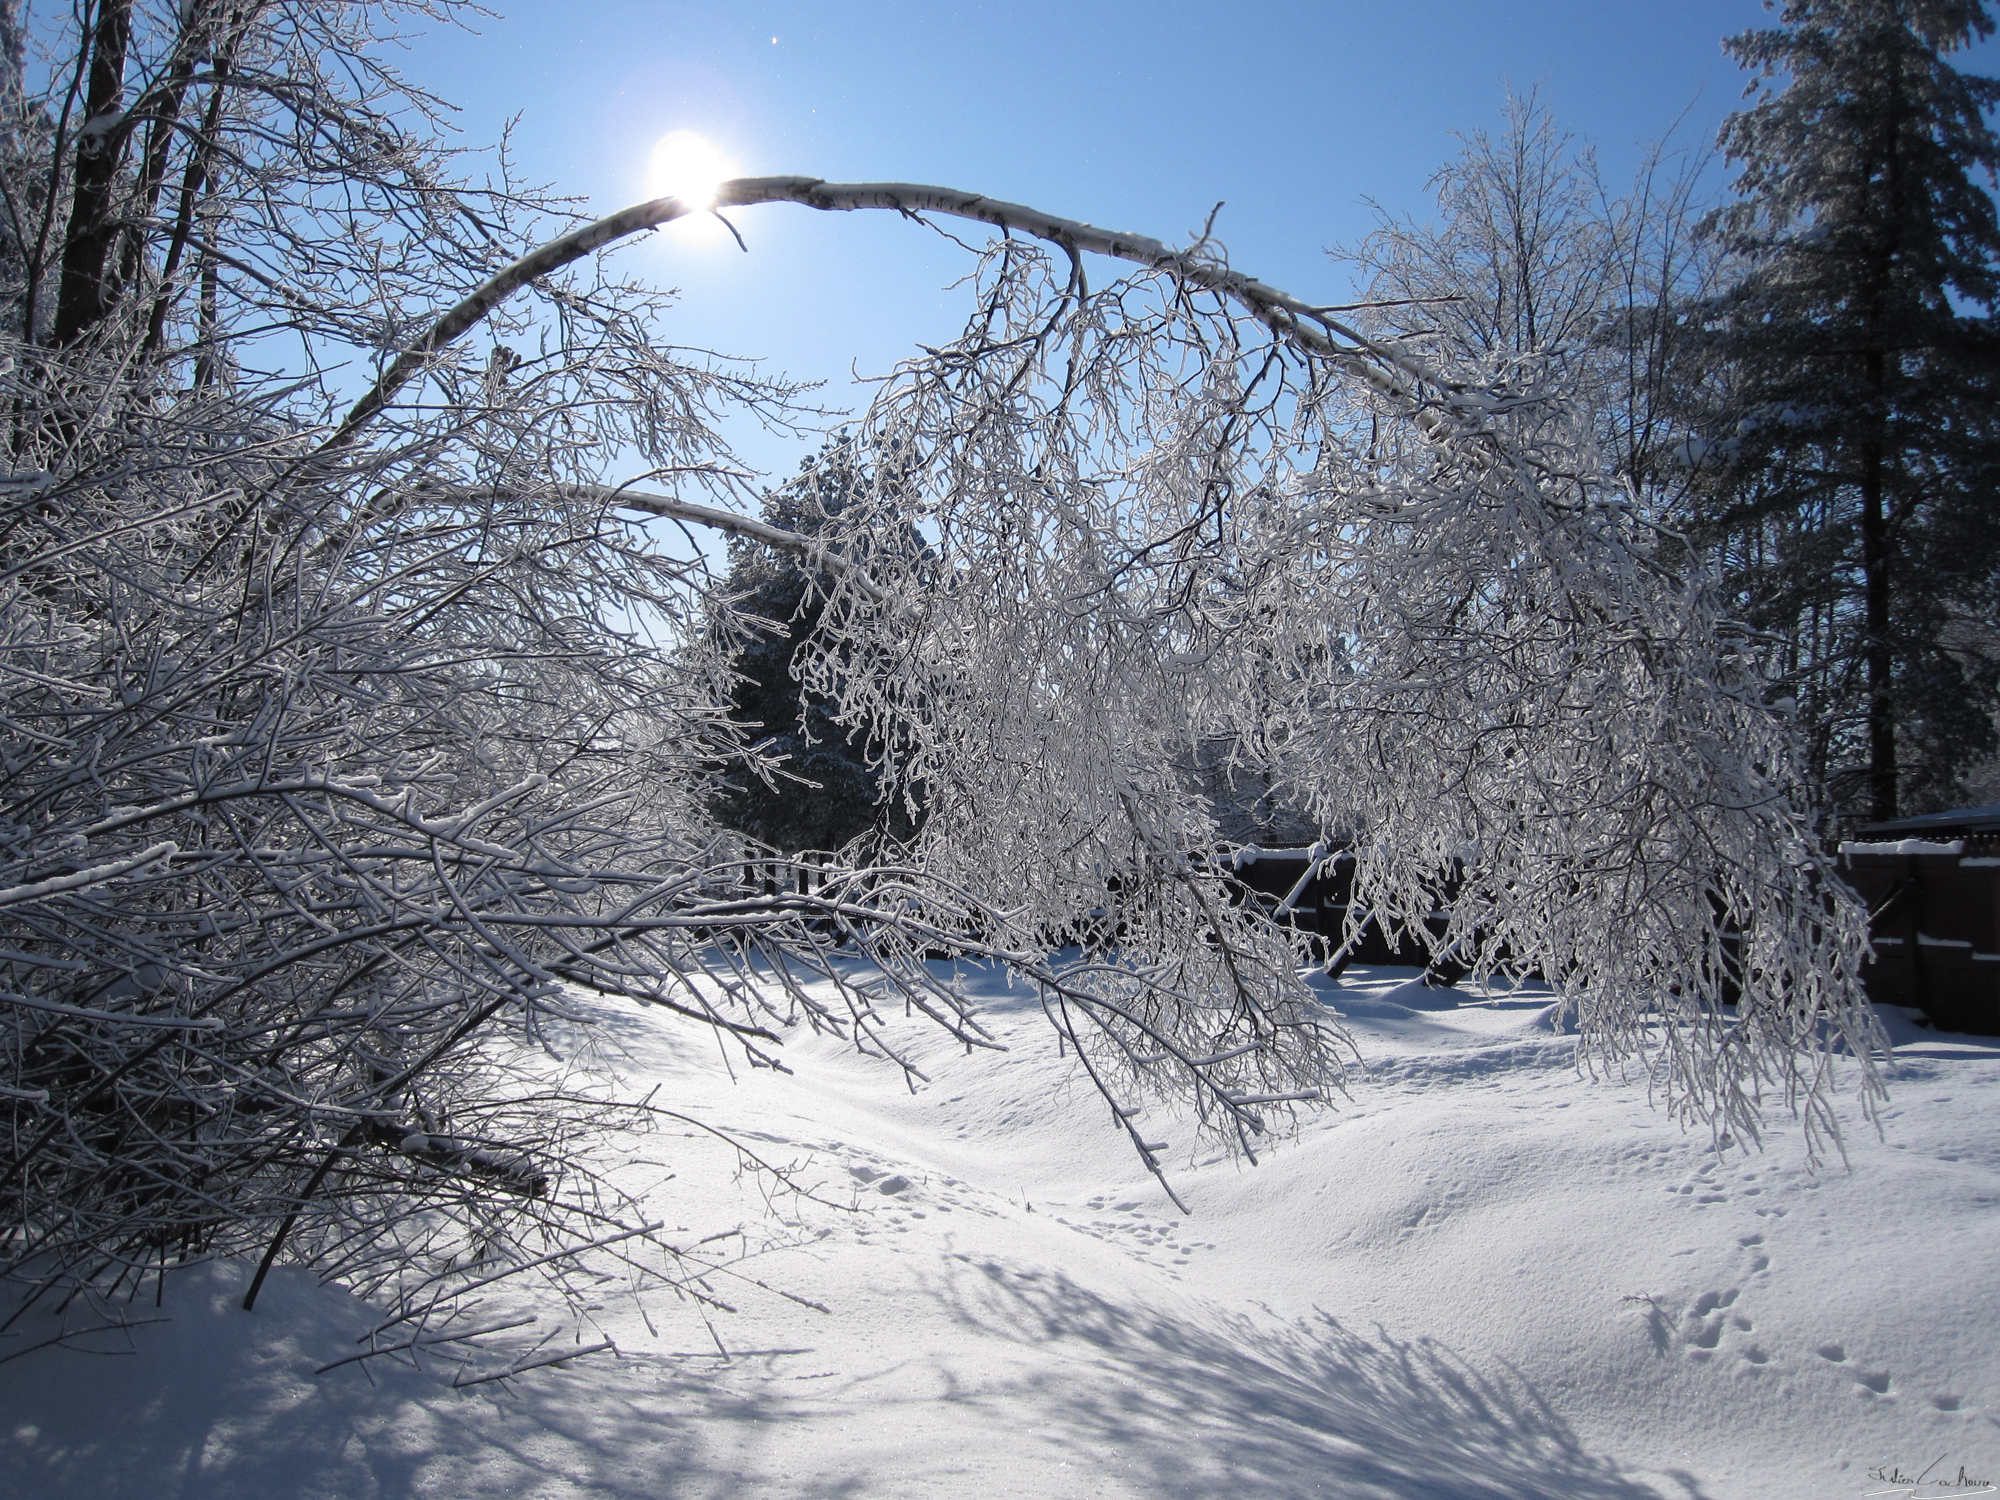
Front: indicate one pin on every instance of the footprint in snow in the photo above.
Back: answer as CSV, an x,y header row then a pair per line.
x,y
1873,1382
1702,1327
1139,1234
1701,1187
887,1183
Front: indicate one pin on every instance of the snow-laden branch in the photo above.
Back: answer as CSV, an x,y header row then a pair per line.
x,y
85,879
1389,369
813,551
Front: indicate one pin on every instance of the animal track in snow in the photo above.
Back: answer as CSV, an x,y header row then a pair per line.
x,y
1702,1186
1701,1329
1874,1382
888,1200
1707,1184
1137,1233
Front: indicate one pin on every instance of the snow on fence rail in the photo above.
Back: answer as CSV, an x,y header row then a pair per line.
x,y
1934,916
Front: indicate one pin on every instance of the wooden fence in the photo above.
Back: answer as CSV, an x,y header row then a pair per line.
x,y
1934,899
1313,894
1932,886
1934,896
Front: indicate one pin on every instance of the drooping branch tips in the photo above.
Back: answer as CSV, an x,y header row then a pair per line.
x,y
1527,496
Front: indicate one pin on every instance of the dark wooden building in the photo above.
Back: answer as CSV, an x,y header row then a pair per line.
x,y
1308,890
1932,885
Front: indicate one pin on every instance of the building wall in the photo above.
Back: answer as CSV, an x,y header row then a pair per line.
x,y
1936,926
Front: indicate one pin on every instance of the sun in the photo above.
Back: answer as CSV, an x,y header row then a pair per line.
x,y
688,167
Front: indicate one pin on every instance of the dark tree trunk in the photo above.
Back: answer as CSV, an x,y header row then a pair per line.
x,y
84,296
1878,654
194,182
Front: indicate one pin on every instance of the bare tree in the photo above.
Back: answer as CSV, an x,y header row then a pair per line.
x,y
341,754
1537,271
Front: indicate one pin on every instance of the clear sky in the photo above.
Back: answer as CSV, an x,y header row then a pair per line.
x,y
1134,117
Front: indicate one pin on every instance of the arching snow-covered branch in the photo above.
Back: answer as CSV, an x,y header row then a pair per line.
x,y
1314,329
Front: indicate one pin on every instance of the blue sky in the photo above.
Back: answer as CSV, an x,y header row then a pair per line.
x,y
1136,117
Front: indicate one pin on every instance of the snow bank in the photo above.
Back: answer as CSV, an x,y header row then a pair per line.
x,y
1481,1276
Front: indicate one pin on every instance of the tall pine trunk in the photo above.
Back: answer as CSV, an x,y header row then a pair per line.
x,y
1877,652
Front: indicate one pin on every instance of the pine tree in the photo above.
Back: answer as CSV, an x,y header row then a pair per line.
x,y
824,794
1857,506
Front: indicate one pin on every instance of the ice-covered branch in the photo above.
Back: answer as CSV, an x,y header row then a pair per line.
x,y
1390,369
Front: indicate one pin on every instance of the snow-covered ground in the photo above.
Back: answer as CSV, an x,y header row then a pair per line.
x,y
1482,1276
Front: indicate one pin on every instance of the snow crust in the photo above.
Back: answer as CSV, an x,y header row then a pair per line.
x,y
1906,846
1483,1276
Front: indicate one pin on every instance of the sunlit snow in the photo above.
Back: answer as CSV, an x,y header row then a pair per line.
x,y
1483,1276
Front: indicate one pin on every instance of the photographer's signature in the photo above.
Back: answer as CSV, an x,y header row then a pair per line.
x,y
1931,1480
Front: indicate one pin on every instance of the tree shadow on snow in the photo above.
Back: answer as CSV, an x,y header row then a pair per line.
x,y
223,1405
1142,1401
1229,1406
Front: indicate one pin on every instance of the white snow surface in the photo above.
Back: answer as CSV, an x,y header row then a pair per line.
x,y
1484,1275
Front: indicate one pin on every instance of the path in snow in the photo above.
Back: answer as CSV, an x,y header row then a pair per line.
x,y
1482,1276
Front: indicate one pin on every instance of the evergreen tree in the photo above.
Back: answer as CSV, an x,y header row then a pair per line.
x,y
1856,506
824,794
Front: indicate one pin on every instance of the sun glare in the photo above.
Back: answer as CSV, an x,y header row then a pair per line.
x,y
688,167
